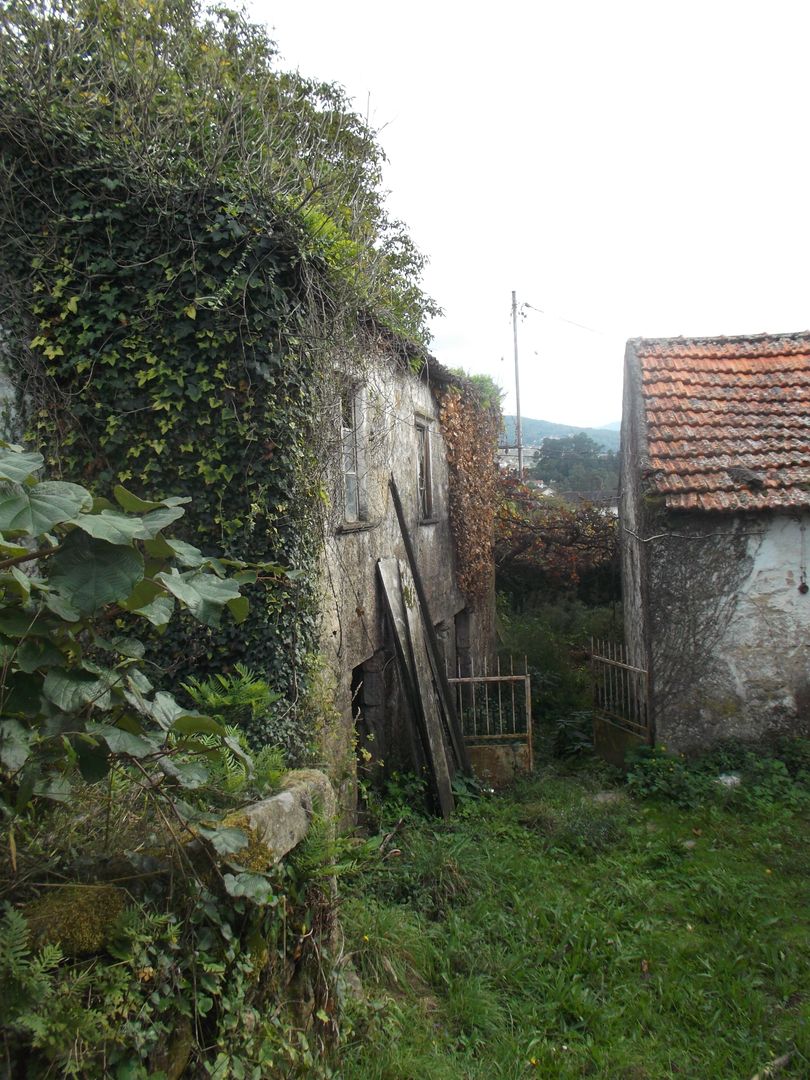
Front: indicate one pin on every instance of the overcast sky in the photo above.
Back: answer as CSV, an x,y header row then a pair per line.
x,y
638,168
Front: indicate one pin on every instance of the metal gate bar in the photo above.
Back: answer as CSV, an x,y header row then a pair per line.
x,y
484,714
621,690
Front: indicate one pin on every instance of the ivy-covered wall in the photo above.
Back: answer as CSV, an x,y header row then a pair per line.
x,y
159,351
193,244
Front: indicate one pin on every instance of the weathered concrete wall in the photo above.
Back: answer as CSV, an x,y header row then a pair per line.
x,y
393,402
729,629
500,764
631,517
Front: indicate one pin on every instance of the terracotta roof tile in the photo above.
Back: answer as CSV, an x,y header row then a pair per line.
x,y
728,420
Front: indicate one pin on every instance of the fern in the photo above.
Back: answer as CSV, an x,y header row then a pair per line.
x,y
240,699
232,774
55,1015
15,950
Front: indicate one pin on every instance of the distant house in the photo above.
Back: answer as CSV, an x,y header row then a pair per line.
x,y
714,521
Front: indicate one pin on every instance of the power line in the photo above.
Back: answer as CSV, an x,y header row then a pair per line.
x,y
571,322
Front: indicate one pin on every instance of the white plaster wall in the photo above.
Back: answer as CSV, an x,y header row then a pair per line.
x,y
730,630
768,638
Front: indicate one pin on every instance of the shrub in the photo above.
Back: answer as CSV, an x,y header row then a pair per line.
x,y
74,696
766,780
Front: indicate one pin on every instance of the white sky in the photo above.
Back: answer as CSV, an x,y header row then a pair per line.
x,y
637,167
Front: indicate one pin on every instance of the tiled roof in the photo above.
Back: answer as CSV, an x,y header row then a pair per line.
x,y
728,420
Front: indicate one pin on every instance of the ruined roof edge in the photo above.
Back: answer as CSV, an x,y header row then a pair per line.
x,y
775,342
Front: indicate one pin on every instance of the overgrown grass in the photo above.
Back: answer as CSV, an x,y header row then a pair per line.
x,y
550,933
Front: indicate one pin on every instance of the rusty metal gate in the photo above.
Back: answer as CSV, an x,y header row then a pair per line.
x,y
495,713
621,701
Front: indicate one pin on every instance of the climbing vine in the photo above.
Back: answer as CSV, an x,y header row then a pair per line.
x,y
471,424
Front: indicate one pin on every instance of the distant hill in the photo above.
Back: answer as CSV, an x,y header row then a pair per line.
x,y
534,431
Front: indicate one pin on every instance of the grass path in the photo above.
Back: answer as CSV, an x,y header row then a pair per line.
x,y
546,933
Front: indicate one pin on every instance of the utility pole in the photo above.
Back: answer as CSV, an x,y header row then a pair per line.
x,y
518,432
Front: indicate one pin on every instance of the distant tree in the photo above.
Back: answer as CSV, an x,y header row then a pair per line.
x,y
576,463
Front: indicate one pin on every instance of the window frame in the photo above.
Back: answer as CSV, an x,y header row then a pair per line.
x,y
352,458
424,471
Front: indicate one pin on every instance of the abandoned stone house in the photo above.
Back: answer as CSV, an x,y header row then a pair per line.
x,y
714,517
390,428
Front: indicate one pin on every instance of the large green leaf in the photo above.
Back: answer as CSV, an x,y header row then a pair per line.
x,y
149,600
18,623
225,840
252,886
196,724
94,763
61,607
138,681
118,528
203,594
17,465
186,554
12,551
159,612
22,695
57,788
158,519
167,713
189,774
113,526
71,691
34,653
15,583
35,510
124,742
15,744
90,573
239,608
135,505
144,593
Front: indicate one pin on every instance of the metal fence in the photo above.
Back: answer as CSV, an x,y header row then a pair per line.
x,y
620,689
495,706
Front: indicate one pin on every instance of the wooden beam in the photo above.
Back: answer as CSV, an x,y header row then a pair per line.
x,y
440,675
410,649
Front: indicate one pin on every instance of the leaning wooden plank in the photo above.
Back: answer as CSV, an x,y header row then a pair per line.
x,y
440,675
427,694
389,574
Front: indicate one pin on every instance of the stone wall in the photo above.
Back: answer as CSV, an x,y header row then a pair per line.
x,y
356,639
632,546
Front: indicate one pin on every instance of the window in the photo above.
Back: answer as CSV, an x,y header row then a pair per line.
x,y
354,501
424,486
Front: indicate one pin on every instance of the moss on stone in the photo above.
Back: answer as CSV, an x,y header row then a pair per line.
x,y
257,856
77,917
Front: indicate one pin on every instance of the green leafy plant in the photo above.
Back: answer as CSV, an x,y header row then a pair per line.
x,y
74,695
240,698
761,779
573,733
